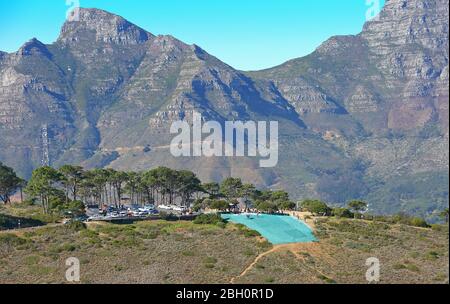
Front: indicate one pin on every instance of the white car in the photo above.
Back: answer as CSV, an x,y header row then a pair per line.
x,y
146,209
164,207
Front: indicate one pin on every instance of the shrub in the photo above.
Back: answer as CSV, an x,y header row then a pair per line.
x,y
410,221
418,222
76,226
209,219
221,225
210,260
251,233
432,255
168,216
269,280
342,212
11,239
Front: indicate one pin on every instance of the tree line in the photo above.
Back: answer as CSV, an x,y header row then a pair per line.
x,y
72,188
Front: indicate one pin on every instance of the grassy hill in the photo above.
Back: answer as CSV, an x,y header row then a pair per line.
x,y
184,252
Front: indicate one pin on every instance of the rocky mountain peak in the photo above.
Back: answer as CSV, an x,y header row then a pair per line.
x,y
419,22
106,27
33,47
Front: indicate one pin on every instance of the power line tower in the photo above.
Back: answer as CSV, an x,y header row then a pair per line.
x,y
45,160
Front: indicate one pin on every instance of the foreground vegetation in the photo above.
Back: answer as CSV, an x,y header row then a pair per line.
x,y
408,255
146,252
211,251
207,250
67,191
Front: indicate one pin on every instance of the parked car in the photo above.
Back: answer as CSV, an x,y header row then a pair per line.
x,y
179,208
164,207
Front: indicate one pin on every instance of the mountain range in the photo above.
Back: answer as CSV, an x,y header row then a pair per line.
x,y
362,117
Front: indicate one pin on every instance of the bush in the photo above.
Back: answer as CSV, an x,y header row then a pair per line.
x,y
11,240
438,227
12,222
221,225
209,219
342,212
410,221
418,222
168,216
75,226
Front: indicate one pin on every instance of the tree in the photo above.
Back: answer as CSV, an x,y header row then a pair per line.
x,y
315,207
247,192
212,189
43,184
9,183
357,206
343,213
98,178
186,185
231,188
286,205
151,184
281,199
266,206
444,215
220,205
73,175
22,185
166,181
118,178
133,185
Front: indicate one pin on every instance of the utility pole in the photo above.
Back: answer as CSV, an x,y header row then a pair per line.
x,y
45,160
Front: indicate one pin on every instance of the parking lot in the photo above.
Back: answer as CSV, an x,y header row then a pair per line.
x,y
131,211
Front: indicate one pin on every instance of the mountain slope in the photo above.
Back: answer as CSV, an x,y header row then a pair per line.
x,y
364,116
392,81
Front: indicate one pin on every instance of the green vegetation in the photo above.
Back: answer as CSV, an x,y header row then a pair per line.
x,y
65,193
316,207
409,255
9,183
209,219
145,252
320,208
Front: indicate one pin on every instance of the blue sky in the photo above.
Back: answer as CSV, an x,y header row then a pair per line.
x,y
247,34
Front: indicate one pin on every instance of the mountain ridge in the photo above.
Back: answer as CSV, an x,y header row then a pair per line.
x,y
107,91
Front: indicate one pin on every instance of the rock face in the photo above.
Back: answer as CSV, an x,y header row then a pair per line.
x,y
363,116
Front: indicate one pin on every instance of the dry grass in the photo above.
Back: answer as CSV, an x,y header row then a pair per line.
x,y
182,252
407,255
146,252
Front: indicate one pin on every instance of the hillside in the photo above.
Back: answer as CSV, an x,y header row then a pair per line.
x,y
183,252
364,116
